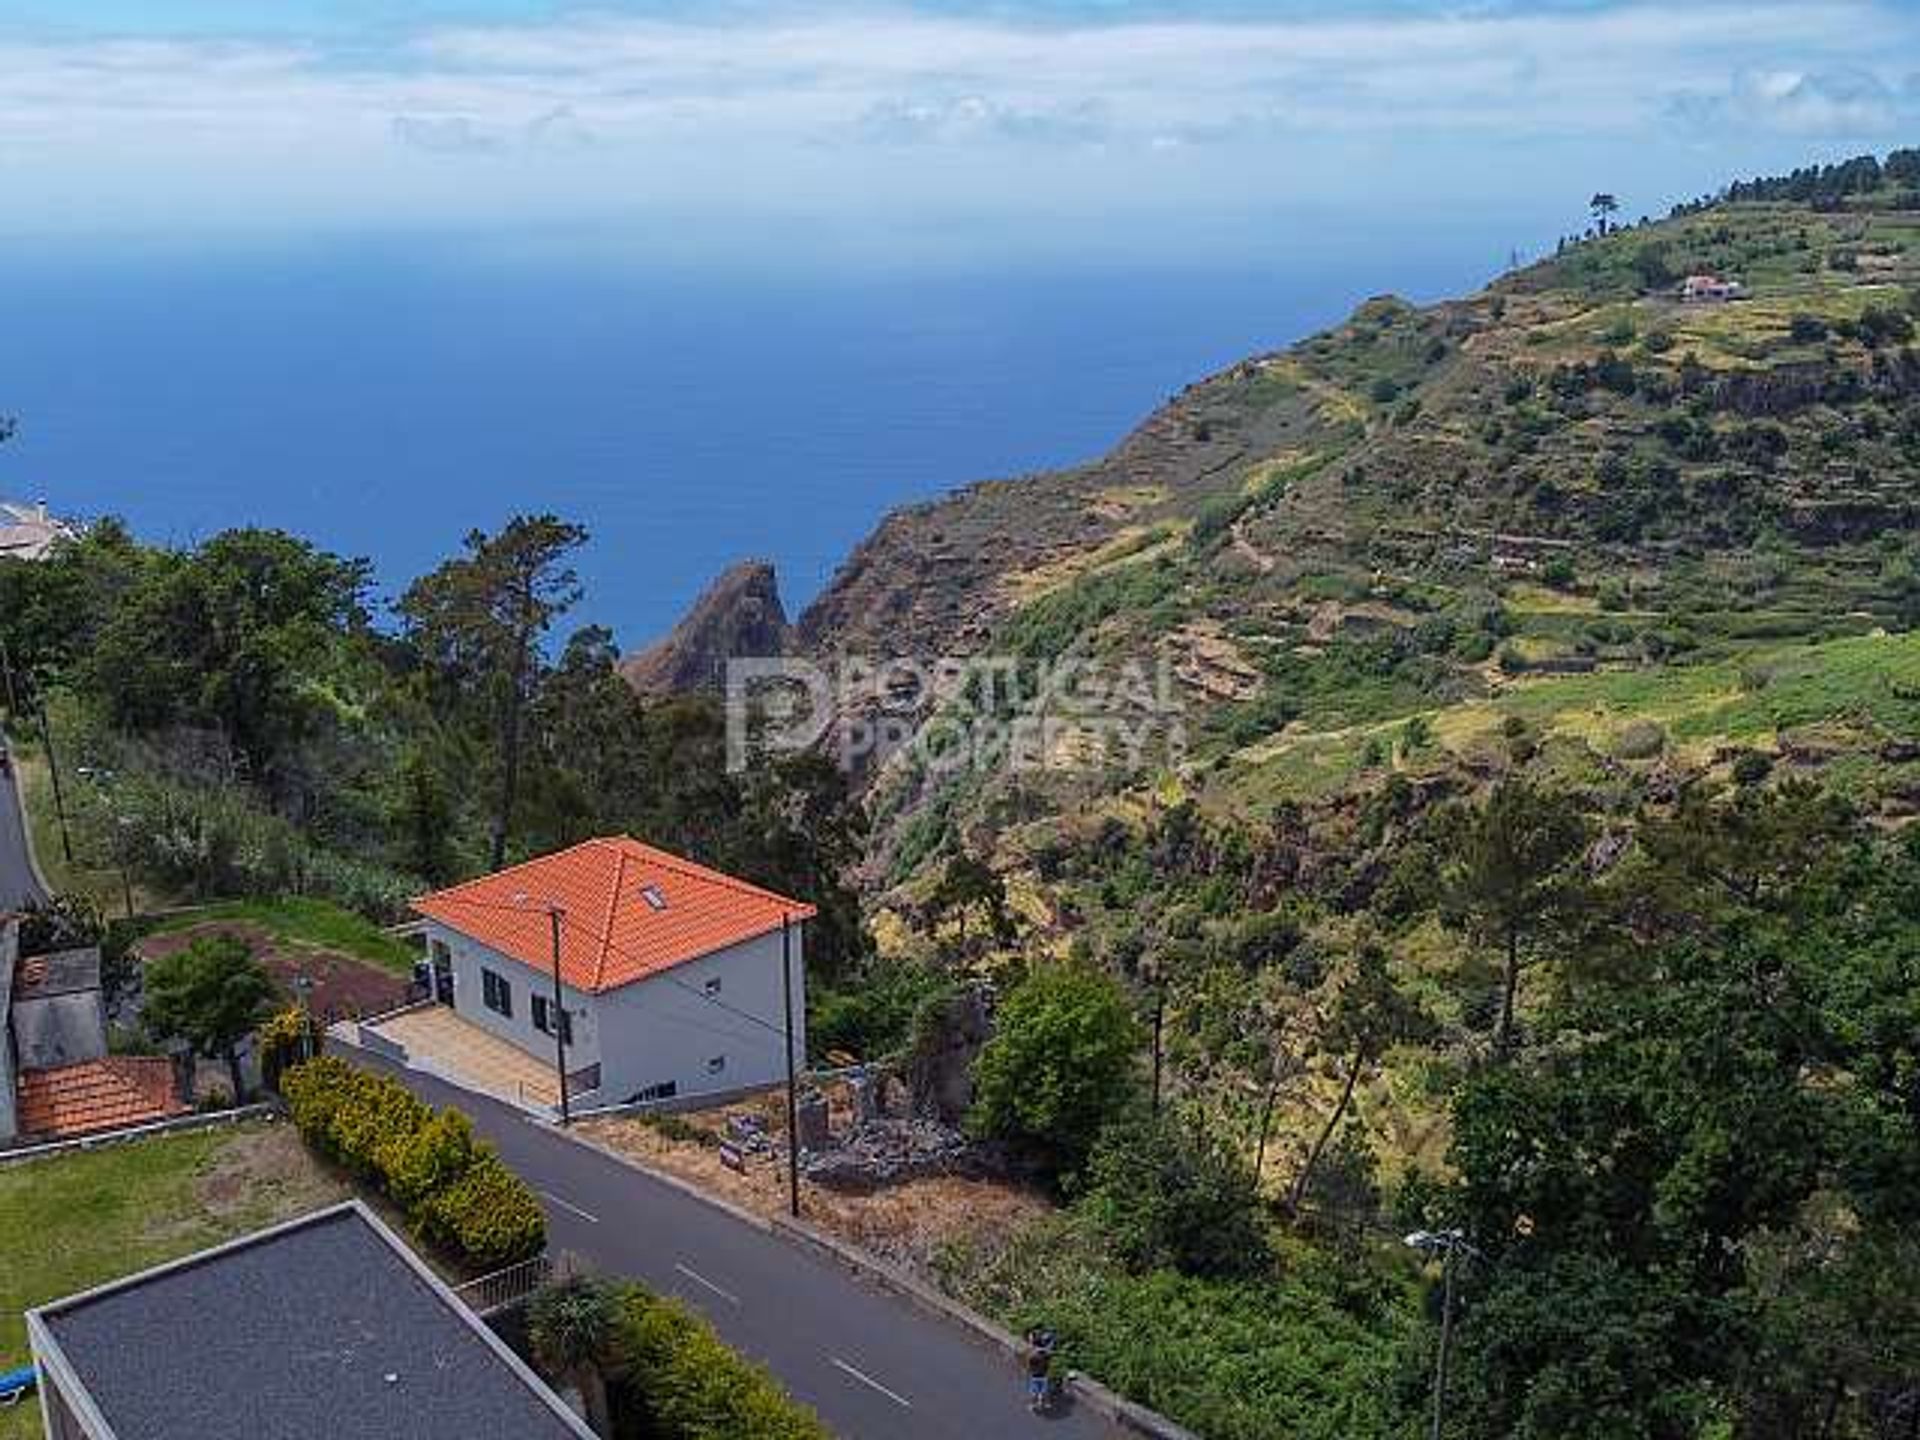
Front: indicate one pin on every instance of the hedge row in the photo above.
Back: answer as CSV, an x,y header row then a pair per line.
x,y
673,1379
455,1190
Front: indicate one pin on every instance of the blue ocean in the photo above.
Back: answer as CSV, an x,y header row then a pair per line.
x,y
384,399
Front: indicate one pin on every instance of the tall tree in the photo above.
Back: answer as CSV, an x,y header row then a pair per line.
x,y
1510,875
1603,206
1713,857
424,821
52,613
1686,1196
969,884
657,767
481,618
237,636
1369,1015
211,995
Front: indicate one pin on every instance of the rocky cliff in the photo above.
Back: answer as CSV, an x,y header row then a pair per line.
x,y
739,614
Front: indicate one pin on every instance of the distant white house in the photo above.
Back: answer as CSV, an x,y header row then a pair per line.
x,y
1709,290
671,981
28,532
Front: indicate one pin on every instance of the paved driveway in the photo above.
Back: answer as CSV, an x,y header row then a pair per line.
x,y
437,1039
19,886
873,1364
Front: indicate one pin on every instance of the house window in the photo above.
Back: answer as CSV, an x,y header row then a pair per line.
x,y
712,986
652,894
543,1012
716,1064
442,956
496,993
665,1090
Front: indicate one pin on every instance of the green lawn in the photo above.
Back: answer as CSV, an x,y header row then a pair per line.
x,y
80,1219
299,920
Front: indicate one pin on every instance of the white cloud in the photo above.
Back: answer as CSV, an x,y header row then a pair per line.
x,y
826,113
560,128
1843,102
973,119
444,135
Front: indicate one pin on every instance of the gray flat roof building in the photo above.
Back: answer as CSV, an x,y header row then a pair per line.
x,y
327,1325
58,1016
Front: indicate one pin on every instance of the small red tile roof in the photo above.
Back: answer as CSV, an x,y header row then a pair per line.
x,y
631,911
95,1095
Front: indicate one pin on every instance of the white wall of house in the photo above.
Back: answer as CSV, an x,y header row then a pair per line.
x,y
469,959
686,1027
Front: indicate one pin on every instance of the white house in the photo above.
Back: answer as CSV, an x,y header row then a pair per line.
x,y
1709,290
28,532
671,977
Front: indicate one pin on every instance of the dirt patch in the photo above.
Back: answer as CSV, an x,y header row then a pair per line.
x,y
266,1168
908,1224
1205,658
343,987
249,1177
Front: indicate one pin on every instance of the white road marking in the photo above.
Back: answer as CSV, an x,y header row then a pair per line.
x,y
871,1383
699,1279
570,1207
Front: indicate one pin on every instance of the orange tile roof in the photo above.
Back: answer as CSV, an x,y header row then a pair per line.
x,y
610,935
107,1094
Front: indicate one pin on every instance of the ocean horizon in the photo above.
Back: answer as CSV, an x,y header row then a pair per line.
x,y
383,399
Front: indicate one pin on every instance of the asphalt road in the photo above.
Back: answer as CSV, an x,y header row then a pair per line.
x,y
871,1362
19,886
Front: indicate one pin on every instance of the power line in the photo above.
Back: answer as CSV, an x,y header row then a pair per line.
x,y
691,989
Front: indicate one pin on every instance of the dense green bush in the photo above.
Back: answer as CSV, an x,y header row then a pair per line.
x,y
453,1188
1169,1194
1314,1354
428,1159
871,1015
218,842
1640,740
1060,1064
673,1379
488,1214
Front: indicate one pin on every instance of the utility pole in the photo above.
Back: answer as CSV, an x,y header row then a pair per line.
x,y
124,845
53,770
554,916
1449,1243
1159,1025
1446,1339
793,1101
303,987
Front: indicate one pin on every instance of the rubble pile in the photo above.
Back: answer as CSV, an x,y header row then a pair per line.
x,y
883,1152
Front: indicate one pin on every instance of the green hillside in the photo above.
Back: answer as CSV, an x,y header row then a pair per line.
x,y
1545,753
1572,501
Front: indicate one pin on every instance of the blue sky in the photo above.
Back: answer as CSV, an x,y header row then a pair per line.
x,y
1085,128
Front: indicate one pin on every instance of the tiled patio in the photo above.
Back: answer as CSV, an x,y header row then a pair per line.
x,y
439,1041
